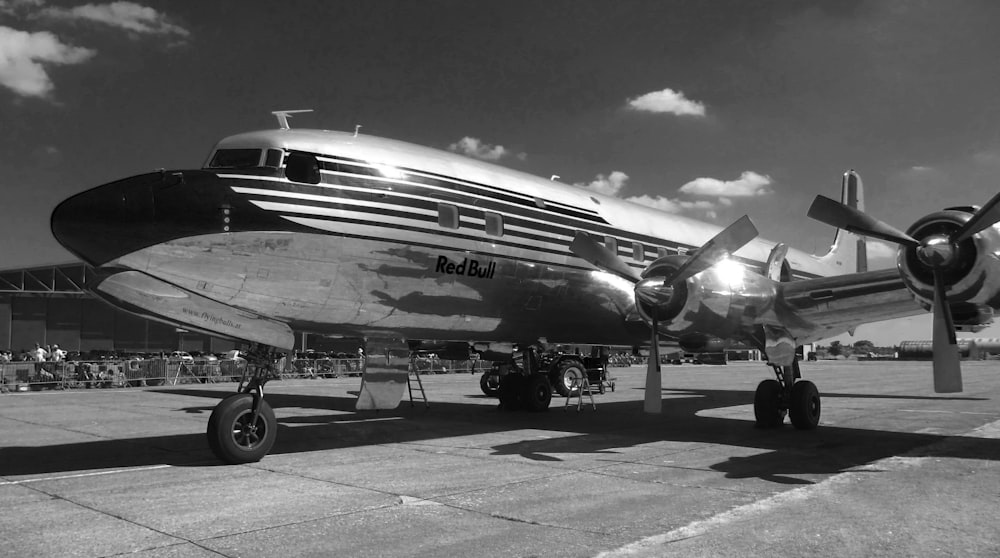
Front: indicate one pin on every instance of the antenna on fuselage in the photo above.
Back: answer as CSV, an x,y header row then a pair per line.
x,y
356,128
554,177
284,115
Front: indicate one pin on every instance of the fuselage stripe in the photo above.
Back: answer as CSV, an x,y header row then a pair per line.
x,y
335,201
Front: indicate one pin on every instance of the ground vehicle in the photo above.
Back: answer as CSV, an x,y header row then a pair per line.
x,y
489,382
204,358
565,369
562,370
182,355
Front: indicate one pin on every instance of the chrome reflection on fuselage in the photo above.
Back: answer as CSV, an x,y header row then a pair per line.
x,y
366,237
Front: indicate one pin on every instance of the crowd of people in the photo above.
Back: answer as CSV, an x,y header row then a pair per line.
x,y
52,366
48,353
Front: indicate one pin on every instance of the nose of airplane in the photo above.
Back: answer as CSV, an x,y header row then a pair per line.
x,y
120,217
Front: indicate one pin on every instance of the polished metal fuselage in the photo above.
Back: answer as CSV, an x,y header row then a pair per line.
x,y
363,253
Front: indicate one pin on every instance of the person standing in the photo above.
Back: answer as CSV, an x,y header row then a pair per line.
x,y
57,354
39,354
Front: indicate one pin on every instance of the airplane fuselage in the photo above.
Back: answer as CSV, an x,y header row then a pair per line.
x,y
359,236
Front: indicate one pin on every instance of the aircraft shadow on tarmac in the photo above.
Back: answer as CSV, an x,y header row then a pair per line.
x,y
784,452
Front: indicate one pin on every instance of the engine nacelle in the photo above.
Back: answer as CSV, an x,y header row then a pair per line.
x,y
717,302
702,343
971,272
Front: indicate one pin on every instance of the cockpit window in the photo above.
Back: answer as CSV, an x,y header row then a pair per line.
x,y
235,159
273,158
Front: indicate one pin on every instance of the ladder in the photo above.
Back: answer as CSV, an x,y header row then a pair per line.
x,y
578,386
415,372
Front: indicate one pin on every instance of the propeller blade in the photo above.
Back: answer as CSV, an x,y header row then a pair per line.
x,y
947,368
836,214
598,255
721,246
987,216
653,402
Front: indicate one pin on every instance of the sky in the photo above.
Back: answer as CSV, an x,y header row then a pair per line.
x,y
710,109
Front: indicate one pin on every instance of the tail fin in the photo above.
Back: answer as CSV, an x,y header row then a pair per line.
x,y
849,253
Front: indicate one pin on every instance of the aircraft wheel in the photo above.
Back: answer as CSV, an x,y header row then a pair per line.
x,y
568,372
231,435
537,393
767,404
509,391
490,384
804,408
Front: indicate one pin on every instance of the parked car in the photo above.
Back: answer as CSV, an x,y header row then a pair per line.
x,y
204,358
182,355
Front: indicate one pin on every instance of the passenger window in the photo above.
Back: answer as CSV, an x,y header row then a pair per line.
x,y
448,215
611,243
302,167
494,224
662,252
638,252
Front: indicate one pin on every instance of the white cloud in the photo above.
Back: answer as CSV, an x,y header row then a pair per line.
x,y
613,183
608,185
668,101
749,184
473,147
125,15
23,55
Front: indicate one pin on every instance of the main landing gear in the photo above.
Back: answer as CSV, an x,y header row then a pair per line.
x,y
242,428
526,388
788,394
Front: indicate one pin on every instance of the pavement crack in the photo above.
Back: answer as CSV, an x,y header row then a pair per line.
x,y
121,517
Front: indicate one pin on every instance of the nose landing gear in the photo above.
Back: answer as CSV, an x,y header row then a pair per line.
x,y
242,428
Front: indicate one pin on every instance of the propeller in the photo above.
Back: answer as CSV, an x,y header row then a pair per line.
x,y
938,252
834,213
718,248
599,256
653,396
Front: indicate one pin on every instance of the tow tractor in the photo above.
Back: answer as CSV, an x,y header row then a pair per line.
x,y
517,386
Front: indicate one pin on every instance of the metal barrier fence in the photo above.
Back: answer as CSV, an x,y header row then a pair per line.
x,y
323,368
334,367
25,376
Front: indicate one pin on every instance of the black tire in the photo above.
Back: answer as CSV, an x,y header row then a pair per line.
x,y
230,435
565,373
537,393
767,404
804,408
510,391
490,384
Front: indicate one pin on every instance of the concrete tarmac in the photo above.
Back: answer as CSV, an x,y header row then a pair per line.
x,y
893,470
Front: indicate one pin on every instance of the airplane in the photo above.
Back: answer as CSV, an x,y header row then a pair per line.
x,y
349,235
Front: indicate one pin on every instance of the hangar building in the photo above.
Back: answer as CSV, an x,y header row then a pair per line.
x,y
47,305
